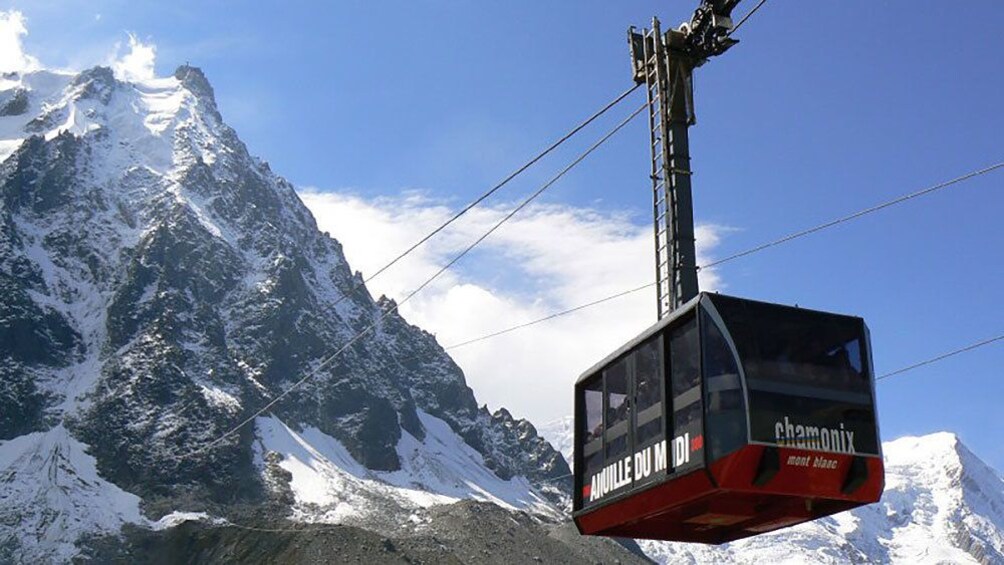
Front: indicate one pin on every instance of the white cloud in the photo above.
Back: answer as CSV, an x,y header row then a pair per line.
x,y
12,55
138,63
547,259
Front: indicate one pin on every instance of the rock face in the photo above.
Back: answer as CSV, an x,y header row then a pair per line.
x,y
942,504
466,532
160,284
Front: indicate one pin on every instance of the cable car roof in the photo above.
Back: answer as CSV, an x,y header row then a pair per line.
x,y
676,315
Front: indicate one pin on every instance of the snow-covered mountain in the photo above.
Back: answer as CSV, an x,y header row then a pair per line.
x,y
942,504
160,284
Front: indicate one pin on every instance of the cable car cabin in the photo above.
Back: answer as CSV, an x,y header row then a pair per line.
x,y
727,419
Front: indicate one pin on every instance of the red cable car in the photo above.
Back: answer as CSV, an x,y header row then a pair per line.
x,y
729,417
726,419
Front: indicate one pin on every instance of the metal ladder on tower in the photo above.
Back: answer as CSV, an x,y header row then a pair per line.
x,y
667,75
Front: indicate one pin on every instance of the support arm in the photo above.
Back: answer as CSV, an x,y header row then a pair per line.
x,y
665,63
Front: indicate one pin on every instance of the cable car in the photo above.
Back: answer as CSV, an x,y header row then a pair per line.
x,y
726,419
729,417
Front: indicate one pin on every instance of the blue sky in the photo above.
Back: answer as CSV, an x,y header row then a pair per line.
x,y
815,114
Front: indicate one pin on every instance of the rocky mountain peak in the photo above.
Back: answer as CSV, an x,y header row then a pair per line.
x,y
96,83
195,81
14,103
161,284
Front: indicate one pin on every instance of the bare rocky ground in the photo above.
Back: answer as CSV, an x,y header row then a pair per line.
x,y
466,532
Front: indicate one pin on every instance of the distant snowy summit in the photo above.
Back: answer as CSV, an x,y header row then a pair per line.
x,y
942,504
160,285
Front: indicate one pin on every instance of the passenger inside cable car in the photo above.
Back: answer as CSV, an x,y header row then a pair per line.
x,y
726,419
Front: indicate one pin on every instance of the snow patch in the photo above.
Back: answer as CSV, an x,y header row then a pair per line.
x,y
218,397
446,465
331,486
560,434
52,495
178,518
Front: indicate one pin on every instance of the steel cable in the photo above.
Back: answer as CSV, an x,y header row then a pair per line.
x,y
969,347
491,191
327,361
750,251
747,16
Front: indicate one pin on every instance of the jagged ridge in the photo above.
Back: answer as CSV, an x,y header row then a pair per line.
x,y
161,283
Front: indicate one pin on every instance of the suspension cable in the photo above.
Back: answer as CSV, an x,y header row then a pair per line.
x,y
969,347
327,361
491,191
549,317
747,16
750,251
856,215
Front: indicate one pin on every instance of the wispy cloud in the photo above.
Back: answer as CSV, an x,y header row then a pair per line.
x,y
137,63
12,55
547,259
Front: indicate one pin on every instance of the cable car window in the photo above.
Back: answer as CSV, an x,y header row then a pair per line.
x,y
683,353
592,444
618,410
594,411
648,393
688,438
726,410
807,374
796,346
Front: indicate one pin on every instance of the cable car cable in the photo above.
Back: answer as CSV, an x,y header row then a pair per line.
x,y
942,356
596,115
493,190
855,215
747,16
730,258
624,293
747,252
327,361
550,317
